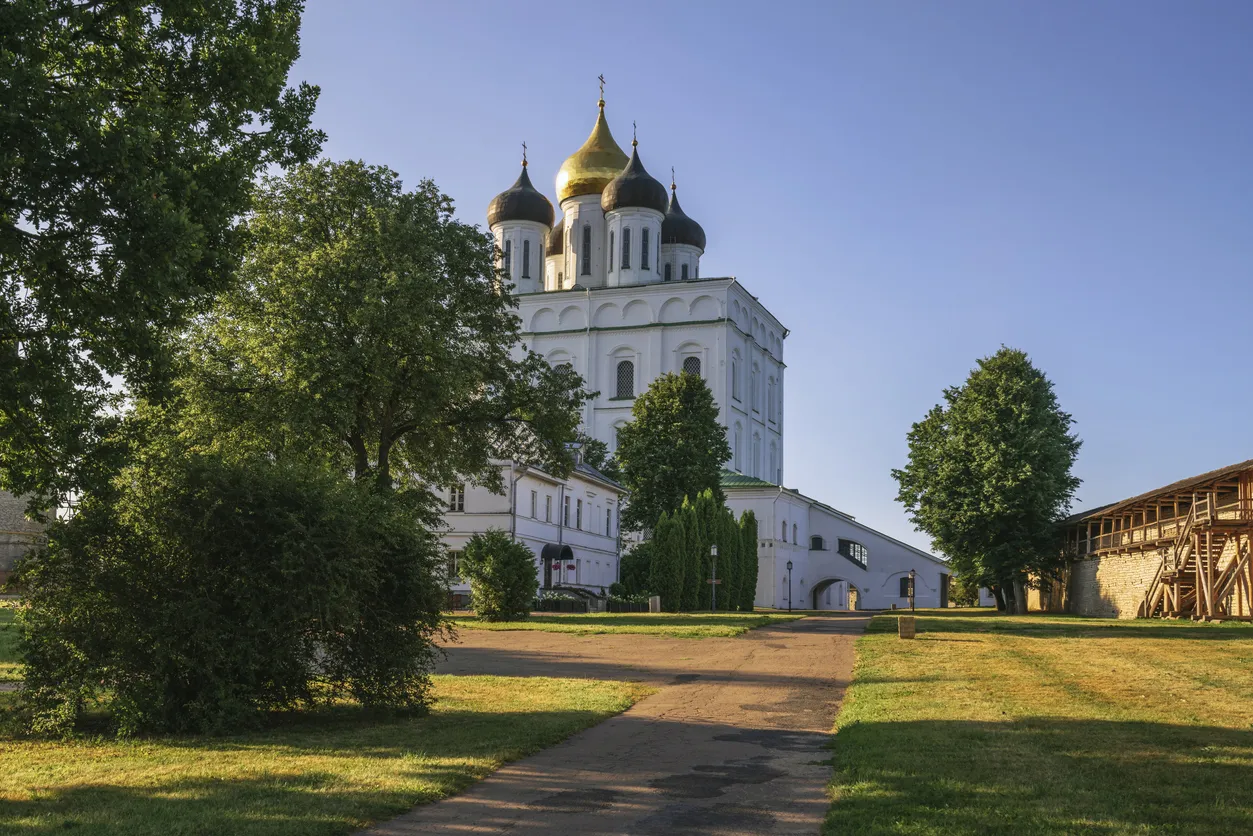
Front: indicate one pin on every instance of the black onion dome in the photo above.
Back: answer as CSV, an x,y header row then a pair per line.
x,y
556,239
520,202
634,187
678,228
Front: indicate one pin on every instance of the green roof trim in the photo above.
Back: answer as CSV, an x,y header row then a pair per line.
x,y
730,479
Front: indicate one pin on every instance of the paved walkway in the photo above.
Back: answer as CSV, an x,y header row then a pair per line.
x,y
733,742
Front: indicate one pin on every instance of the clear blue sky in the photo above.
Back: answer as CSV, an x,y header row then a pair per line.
x,y
906,185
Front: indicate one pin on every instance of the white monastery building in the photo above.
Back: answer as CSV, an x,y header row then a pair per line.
x,y
613,288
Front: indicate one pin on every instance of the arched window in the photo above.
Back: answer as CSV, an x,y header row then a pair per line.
x,y
735,378
508,258
683,273
667,272
816,544
752,390
610,252
526,259
774,462
644,248
691,365
784,534
770,398
736,443
626,379
755,464
794,532
626,248
587,250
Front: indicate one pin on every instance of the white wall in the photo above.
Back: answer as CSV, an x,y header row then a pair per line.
x,y
877,584
595,547
656,327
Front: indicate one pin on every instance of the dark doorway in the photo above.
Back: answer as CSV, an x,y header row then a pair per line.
x,y
943,590
553,553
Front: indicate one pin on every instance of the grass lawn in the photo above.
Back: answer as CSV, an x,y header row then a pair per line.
x,y
989,724
679,625
322,774
8,644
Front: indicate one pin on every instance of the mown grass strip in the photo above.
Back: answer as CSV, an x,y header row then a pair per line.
x,y
1046,725
325,773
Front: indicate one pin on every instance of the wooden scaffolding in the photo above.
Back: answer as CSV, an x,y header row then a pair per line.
x,y
1198,531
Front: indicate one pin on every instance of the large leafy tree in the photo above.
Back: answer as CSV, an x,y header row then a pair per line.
x,y
673,448
369,328
989,474
130,136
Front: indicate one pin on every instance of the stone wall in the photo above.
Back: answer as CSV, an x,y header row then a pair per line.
x,y
16,532
1113,586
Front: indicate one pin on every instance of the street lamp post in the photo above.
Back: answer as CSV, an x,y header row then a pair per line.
x,y
912,576
789,586
713,582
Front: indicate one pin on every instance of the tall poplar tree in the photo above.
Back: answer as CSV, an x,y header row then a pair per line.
x,y
989,474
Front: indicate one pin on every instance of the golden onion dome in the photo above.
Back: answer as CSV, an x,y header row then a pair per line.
x,y
589,169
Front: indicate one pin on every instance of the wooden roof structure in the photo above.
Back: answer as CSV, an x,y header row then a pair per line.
x,y
1201,529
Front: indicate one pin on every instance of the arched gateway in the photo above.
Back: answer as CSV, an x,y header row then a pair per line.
x,y
848,594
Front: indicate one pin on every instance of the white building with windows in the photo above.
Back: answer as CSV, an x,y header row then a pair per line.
x,y
836,563
617,294
570,525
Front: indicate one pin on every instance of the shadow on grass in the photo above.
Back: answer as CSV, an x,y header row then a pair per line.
x,y
1041,776
325,773
938,625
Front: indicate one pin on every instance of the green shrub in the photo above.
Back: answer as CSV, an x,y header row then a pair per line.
x,y
205,591
502,576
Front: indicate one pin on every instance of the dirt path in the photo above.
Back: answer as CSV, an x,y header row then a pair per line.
x,y
733,743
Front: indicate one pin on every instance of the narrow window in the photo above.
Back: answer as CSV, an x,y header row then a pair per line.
x,y
578,515
508,258
587,250
534,505
735,379
770,398
667,272
683,273
794,540
644,248
626,379
784,534
457,498
905,586
565,519
609,522
626,248
610,252
526,259
691,365
454,567
548,509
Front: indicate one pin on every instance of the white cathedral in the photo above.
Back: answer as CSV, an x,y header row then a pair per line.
x,y
613,288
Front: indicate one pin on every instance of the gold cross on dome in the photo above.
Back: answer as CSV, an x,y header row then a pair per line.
x,y
601,77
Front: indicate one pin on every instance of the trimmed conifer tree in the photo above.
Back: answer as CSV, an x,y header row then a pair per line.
x,y
748,559
729,569
666,575
691,555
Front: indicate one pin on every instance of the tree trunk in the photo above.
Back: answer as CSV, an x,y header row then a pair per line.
x,y
999,594
1020,597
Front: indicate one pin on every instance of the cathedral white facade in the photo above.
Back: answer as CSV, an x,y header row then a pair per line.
x,y
613,287
620,298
